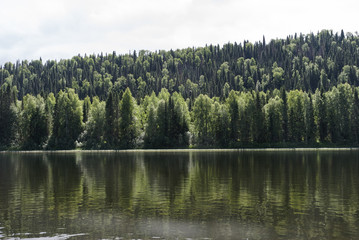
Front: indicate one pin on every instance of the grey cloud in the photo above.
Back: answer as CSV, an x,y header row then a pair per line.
x,y
65,28
10,40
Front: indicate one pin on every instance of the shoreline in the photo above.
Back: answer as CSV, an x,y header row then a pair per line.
x,y
189,150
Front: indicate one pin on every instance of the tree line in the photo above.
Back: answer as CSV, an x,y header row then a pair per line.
x,y
298,90
303,61
165,120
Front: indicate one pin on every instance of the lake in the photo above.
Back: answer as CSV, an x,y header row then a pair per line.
x,y
180,195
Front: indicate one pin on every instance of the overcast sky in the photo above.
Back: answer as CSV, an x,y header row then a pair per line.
x,y
50,29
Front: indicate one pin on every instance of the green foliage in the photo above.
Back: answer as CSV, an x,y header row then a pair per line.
x,y
233,109
67,119
274,119
93,136
33,123
278,73
220,124
86,108
167,123
7,115
355,118
150,140
302,90
296,116
201,116
112,112
127,126
303,62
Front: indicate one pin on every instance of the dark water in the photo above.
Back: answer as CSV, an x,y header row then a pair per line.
x,y
188,195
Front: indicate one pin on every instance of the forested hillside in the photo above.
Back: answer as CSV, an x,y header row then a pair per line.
x,y
301,90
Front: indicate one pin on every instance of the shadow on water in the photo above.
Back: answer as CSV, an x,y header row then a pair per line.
x,y
216,195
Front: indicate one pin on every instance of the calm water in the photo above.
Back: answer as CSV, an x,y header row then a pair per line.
x,y
188,195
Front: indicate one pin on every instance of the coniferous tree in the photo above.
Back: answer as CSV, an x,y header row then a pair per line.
x,y
355,118
233,109
7,115
67,120
310,124
86,108
296,116
111,134
127,126
245,113
162,124
322,117
323,61
151,131
344,101
259,131
49,109
273,116
284,112
174,124
333,115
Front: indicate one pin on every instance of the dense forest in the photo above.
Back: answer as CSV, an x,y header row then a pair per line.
x,y
298,91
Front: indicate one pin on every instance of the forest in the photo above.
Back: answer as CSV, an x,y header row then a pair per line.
x,y
298,91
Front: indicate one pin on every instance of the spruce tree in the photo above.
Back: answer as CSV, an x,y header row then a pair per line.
x,y
284,114
127,127
322,117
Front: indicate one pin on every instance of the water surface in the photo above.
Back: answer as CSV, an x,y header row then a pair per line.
x,y
168,195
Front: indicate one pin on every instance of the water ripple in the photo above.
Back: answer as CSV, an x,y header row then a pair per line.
x,y
57,237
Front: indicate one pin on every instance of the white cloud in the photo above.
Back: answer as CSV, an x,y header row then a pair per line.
x,y
54,29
